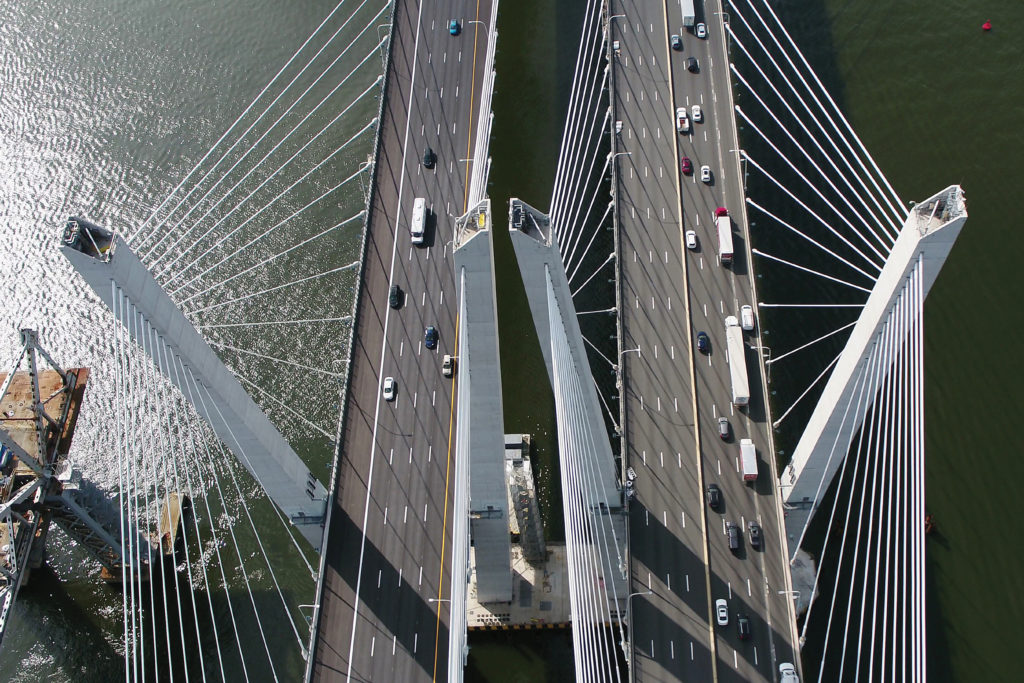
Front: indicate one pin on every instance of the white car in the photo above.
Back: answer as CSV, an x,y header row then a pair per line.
x,y
682,120
787,673
705,174
389,389
702,30
691,239
696,113
747,318
722,612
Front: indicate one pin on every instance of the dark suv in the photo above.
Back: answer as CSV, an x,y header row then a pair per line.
x,y
430,337
714,496
429,158
395,296
703,342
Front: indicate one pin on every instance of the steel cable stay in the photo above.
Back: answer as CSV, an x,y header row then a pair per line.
x,y
144,441
817,192
200,390
878,463
805,269
267,232
123,483
862,194
577,224
862,381
919,513
887,494
586,250
272,258
823,337
587,150
275,359
597,351
275,288
582,482
282,193
584,78
870,469
807,155
258,164
282,404
196,399
256,534
611,257
568,131
811,211
896,205
258,323
158,448
893,217
788,226
131,239
607,408
870,388
189,454
806,391
593,484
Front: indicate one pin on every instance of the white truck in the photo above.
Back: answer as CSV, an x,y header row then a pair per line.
x,y
748,460
688,13
737,361
419,219
724,228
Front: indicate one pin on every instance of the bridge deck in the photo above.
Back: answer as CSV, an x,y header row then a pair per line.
x,y
383,610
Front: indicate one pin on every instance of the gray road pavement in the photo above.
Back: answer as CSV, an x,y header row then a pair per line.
x,y
670,293
383,615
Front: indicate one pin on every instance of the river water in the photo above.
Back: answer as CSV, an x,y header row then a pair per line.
x,y
106,104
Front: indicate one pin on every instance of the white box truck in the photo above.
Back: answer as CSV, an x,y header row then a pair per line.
x,y
737,361
419,219
724,228
748,460
688,13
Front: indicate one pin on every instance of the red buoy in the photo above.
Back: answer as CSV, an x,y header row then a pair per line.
x,y
987,26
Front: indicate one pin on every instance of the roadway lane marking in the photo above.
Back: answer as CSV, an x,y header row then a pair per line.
x,y
423,298
405,520
460,56
433,398
661,459
424,519
410,455
729,584
415,395
441,301
664,518
373,645
444,58
420,581
385,515
456,92
719,468
670,303
750,593
391,457
650,259
399,577
430,452
666,251
415,642
682,518
655,351
672,648
687,583
755,655
380,575
394,643
691,650
672,352
647,522
735,660
679,462
644,453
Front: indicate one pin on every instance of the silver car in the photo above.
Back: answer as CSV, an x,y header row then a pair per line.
x,y
702,30
705,174
722,612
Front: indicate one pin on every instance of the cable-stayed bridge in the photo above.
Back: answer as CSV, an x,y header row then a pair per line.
x,y
374,123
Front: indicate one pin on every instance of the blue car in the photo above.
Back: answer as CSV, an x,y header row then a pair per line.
x,y
453,27
430,337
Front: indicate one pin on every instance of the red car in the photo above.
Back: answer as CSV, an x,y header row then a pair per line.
x,y
686,166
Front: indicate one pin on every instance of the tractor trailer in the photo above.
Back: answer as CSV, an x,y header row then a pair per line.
x,y
737,361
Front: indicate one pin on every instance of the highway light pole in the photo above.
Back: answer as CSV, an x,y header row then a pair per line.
x,y
627,645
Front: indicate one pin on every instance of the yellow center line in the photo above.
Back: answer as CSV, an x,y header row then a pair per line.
x,y
451,413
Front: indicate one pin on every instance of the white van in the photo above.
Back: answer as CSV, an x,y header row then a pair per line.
x,y
419,218
747,318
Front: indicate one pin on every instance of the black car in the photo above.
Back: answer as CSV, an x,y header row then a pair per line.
x,y
395,296
714,496
755,534
676,42
733,532
430,337
691,65
703,342
743,626
429,158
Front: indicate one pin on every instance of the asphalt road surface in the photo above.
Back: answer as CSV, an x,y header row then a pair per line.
x,y
383,614
673,394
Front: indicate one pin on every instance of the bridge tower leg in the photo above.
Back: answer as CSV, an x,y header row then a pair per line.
x,y
110,267
927,237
